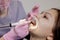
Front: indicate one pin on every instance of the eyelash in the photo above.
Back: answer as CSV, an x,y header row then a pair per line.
x,y
45,17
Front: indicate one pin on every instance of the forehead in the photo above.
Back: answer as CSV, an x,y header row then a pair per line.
x,y
52,12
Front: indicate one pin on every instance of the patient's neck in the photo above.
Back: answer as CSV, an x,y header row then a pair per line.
x,y
36,38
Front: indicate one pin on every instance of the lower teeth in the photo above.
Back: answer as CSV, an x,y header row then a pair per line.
x,y
34,24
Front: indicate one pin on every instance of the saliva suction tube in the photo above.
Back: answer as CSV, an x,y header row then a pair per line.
x,y
33,24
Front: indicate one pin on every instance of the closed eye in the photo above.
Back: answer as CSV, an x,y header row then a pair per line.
x,y
46,15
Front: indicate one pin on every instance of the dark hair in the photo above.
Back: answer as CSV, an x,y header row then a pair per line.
x,y
56,30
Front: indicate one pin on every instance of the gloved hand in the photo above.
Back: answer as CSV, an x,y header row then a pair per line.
x,y
34,11
20,30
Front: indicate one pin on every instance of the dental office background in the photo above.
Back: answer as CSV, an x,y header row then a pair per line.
x,y
44,4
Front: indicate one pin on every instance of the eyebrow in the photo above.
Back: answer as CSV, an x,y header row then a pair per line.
x,y
46,13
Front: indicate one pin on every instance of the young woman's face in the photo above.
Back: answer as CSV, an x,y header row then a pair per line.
x,y
46,22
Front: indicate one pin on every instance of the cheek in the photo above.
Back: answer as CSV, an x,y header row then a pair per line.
x,y
45,26
43,23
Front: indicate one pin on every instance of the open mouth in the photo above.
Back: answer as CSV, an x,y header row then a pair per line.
x,y
34,23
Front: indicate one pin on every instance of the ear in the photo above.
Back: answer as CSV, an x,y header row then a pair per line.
x,y
35,10
50,37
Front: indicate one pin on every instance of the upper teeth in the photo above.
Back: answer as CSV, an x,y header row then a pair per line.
x,y
35,22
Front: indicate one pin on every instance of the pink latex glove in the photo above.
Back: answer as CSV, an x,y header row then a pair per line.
x,y
20,30
34,11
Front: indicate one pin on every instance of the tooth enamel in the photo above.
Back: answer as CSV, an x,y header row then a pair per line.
x,y
32,26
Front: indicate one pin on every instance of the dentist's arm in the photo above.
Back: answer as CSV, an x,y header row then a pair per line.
x,y
20,30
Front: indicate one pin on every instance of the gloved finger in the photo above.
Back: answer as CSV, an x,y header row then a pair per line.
x,y
35,10
22,20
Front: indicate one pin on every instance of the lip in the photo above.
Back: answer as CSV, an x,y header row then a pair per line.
x,y
34,23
